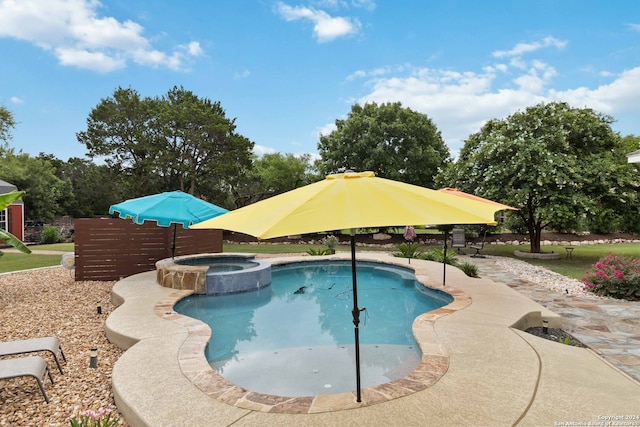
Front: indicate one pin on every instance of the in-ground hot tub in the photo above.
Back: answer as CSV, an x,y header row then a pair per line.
x,y
214,274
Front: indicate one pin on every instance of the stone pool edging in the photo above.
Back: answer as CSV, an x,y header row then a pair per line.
x,y
434,364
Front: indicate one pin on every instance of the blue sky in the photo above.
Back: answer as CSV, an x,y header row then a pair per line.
x,y
287,70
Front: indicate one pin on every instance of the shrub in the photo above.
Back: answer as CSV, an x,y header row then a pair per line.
x,y
615,276
469,269
331,242
437,255
318,252
50,234
408,250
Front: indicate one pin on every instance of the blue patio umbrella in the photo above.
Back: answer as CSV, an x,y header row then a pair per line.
x,y
172,207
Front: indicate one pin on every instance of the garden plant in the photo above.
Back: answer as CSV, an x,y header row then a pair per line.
x,y
615,276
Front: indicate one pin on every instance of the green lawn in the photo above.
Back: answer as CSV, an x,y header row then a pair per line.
x,y
16,262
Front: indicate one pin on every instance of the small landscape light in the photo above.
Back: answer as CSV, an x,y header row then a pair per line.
x,y
99,307
545,326
93,359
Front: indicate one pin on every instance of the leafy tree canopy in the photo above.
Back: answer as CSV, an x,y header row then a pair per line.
x,y
36,177
549,161
92,188
394,142
273,174
177,141
6,124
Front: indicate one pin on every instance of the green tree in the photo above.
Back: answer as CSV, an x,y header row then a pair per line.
x,y
36,177
548,161
394,142
94,188
6,124
614,213
122,131
200,141
178,141
273,174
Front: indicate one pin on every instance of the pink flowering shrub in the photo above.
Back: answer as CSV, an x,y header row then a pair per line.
x,y
91,418
615,276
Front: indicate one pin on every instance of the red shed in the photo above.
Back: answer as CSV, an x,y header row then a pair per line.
x,y
12,217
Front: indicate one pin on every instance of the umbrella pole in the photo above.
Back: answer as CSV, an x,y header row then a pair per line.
x,y
173,245
444,258
355,312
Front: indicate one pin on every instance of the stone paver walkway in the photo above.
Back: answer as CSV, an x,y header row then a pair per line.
x,y
608,326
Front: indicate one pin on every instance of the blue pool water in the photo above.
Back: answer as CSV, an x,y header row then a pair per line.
x,y
295,337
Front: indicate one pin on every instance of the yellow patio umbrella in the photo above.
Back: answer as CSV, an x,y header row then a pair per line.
x,y
351,200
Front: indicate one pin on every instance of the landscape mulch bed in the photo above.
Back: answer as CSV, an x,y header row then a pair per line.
x,y
556,335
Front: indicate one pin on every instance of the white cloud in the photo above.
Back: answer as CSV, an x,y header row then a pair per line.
x,y
242,74
619,96
326,129
459,103
635,27
364,4
75,33
16,100
336,4
381,71
260,150
522,48
326,28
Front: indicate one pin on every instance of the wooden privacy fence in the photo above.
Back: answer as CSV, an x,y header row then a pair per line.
x,y
113,248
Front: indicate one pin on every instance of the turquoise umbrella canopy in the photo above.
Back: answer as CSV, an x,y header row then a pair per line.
x,y
173,207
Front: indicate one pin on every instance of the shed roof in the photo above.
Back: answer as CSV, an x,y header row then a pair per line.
x,y
6,187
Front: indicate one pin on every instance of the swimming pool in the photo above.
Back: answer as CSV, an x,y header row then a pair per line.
x,y
295,337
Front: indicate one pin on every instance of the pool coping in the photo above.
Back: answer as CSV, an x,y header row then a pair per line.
x,y
434,363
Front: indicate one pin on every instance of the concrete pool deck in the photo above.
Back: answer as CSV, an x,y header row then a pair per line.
x,y
494,373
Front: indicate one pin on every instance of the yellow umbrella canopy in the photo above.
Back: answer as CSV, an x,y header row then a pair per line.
x,y
351,200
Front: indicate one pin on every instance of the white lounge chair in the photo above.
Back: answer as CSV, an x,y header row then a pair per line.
x,y
33,345
30,366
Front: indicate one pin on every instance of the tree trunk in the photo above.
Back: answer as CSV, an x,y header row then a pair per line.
x,y
535,229
535,232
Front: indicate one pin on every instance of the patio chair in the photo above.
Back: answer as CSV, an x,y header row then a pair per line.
x,y
458,239
479,247
33,345
30,366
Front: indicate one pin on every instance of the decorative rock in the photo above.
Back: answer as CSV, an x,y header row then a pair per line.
x,y
381,236
544,277
67,311
543,255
